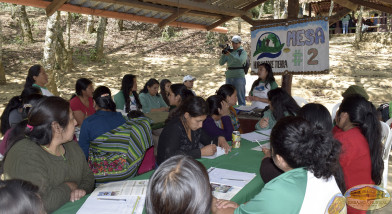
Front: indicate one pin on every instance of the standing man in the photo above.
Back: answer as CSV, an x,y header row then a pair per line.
x,y
235,74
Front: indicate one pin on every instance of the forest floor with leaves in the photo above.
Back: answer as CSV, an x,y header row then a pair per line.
x,y
143,50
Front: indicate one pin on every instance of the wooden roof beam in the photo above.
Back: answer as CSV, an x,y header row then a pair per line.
x,y
244,17
375,6
54,6
338,15
173,17
192,5
112,14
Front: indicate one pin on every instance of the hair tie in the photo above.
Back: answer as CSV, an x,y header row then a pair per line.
x,y
105,95
30,127
27,105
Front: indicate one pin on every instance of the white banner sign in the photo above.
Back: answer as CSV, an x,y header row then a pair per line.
x,y
301,46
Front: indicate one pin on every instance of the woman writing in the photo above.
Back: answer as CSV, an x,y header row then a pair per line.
x,y
127,98
229,93
44,154
309,159
261,86
82,104
183,133
358,129
281,105
218,122
37,77
105,118
150,99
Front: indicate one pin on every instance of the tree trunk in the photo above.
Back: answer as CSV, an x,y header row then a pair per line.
x,y
49,51
285,9
2,73
100,38
276,9
14,9
68,61
120,24
358,29
331,9
90,24
239,25
261,11
24,24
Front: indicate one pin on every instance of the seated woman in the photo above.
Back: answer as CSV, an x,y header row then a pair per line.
x,y
127,99
82,103
229,93
309,159
261,86
44,154
282,105
12,113
28,103
218,122
150,99
19,196
37,77
165,87
320,118
105,118
359,131
179,176
178,93
183,133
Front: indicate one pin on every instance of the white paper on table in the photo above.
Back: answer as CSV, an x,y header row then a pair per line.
x,y
118,205
229,177
127,187
253,136
245,108
226,192
219,151
265,132
260,148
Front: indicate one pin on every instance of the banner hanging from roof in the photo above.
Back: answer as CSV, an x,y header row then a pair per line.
x,y
296,47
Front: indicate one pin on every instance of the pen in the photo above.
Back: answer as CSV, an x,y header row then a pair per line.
x,y
258,143
233,179
211,142
112,199
234,155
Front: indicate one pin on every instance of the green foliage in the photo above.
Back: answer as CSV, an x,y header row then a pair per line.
x,y
269,7
211,40
168,33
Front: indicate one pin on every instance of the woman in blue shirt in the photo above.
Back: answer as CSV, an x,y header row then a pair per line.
x,y
105,118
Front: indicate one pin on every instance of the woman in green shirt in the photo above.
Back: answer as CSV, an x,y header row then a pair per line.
x,y
150,99
309,159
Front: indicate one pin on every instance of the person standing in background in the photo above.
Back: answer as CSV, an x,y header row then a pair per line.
x,y
235,75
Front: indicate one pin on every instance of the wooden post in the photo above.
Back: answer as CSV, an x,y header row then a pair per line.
x,y
293,8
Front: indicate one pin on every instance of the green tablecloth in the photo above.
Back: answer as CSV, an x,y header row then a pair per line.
x,y
242,159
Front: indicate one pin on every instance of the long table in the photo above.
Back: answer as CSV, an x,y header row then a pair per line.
x,y
242,159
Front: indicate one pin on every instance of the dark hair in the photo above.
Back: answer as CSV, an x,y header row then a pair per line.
x,y
33,72
194,105
19,197
126,88
180,185
46,111
363,114
214,104
81,85
103,98
317,115
163,92
282,103
268,80
15,103
180,89
300,145
226,90
149,83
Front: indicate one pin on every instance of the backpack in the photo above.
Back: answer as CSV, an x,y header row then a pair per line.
x,y
246,66
385,111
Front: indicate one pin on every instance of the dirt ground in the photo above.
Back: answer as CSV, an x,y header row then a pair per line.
x,y
140,49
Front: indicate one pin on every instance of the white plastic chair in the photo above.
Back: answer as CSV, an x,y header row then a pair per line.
x,y
387,141
334,110
300,101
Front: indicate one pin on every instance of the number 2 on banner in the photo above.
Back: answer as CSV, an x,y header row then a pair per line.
x,y
314,53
